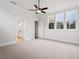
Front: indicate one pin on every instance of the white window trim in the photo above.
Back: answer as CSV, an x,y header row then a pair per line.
x,y
65,21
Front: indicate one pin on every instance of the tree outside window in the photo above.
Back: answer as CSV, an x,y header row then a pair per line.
x,y
60,20
71,17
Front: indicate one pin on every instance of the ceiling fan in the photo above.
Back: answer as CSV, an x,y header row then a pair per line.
x,y
38,9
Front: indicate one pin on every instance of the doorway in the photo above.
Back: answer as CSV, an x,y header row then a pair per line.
x,y
36,29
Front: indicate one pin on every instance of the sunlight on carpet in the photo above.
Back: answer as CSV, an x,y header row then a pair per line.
x,y
19,39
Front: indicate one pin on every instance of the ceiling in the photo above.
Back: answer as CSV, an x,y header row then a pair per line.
x,y
27,4
53,5
56,5
1,0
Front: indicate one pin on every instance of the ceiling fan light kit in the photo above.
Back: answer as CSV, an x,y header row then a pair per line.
x,y
38,9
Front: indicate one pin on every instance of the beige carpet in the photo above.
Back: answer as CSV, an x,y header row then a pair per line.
x,y
40,49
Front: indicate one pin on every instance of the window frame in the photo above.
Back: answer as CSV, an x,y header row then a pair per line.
x,y
75,20
65,20
49,21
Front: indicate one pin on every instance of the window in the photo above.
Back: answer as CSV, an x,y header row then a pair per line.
x,y
65,19
71,17
60,20
51,22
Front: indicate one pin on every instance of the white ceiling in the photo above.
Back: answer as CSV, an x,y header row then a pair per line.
x,y
53,5
25,3
1,0
56,5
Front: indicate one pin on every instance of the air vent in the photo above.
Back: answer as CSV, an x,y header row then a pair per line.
x,y
13,2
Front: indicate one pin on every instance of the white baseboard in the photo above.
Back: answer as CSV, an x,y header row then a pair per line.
x,y
62,41
8,43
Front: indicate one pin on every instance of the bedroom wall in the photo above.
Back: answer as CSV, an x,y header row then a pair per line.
x,y
7,23
29,27
59,35
8,16
29,18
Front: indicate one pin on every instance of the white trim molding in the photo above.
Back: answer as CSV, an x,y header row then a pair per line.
x,y
8,43
61,41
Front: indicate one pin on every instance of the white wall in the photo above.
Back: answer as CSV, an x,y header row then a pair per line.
x,y
29,26
29,19
61,35
7,23
8,17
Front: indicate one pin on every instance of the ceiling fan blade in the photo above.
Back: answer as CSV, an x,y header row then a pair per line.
x,y
32,10
35,6
44,8
39,8
43,11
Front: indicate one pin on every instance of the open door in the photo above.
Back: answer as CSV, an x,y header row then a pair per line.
x,y
36,29
20,30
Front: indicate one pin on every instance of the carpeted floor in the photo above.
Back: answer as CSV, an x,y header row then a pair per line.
x,y
40,49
